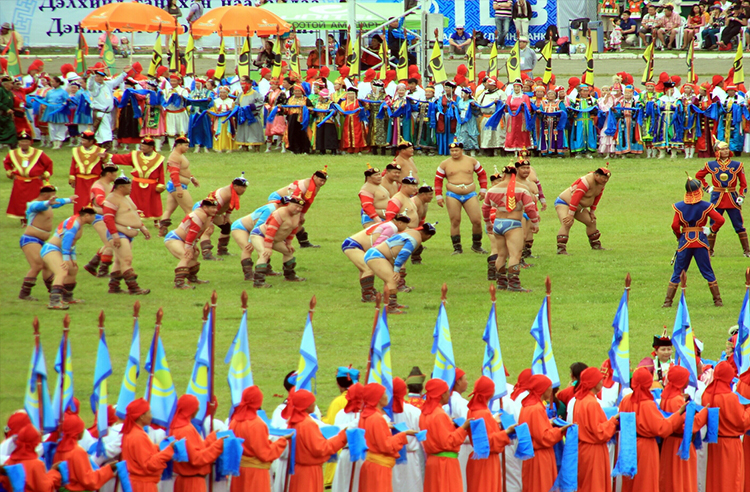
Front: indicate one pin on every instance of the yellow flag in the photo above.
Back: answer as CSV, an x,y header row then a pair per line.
x,y
402,70
471,59
155,57
220,62
294,62
276,71
547,55
739,71
174,48
588,75
690,60
436,63
492,69
648,57
14,62
244,62
352,56
513,65
190,56
384,56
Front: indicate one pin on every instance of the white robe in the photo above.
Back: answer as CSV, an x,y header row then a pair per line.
x,y
513,466
219,426
112,449
341,478
409,476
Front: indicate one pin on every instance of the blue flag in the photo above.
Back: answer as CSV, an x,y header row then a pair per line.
x,y
627,460
742,347
132,370
619,352
99,401
308,359
381,371
543,361
442,348
198,385
66,380
683,341
163,397
240,374
567,477
493,366
38,370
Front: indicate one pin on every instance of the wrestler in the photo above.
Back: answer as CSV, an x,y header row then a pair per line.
x,y
182,243
99,191
417,214
180,177
276,234
123,224
228,199
387,259
510,203
405,159
690,226
401,203
241,233
579,203
355,247
728,188
27,167
492,258
307,189
392,178
39,216
148,174
86,166
524,178
460,191
373,197
59,256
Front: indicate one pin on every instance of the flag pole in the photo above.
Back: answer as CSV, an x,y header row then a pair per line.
x,y
159,316
40,400
548,287
136,312
63,368
212,346
493,296
619,385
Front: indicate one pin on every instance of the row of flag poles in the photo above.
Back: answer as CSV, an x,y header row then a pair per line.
x,y
160,391
738,76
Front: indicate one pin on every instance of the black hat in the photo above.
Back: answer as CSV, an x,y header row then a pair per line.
x,y
371,170
122,180
108,168
402,218
182,139
409,180
322,173
209,202
378,83
456,144
292,199
425,188
693,190
88,209
662,341
89,135
428,229
392,166
48,188
352,89
24,135
240,181
148,141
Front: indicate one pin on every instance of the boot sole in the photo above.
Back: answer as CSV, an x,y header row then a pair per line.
x,y
198,282
92,271
29,298
263,286
298,279
58,308
480,251
141,292
184,287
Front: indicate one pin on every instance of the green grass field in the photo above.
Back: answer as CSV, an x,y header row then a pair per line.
x,y
634,217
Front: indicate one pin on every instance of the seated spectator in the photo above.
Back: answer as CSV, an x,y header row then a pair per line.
x,y
648,25
628,27
668,26
368,60
736,20
695,21
712,29
459,41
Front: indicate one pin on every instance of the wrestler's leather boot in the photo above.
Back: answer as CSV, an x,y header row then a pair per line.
x,y
501,277
714,288
270,272
367,284
180,276
104,266
259,279
247,268
526,253
222,248
671,290
131,280
114,283
712,243
304,240
164,227
457,248
93,264
206,248
193,275
393,306
55,298
402,287
289,274
416,256
514,283
491,268
28,284
67,294
476,244
48,282
594,240
562,245
743,241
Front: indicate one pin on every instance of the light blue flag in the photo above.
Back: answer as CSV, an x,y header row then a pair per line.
x,y
683,341
38,369
619,352
199,379
132,370
742,347
442,348
543,361
163,397
240,374
99,401
67,381
308,360
381,371
493,366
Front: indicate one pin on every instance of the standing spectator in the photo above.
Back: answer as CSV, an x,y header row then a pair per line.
x,y
459,41
527,56
521,14
628,27
265,57
668,26
174,9
694,23
736,20
648,25
503,15
195,13
333,47
6,31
